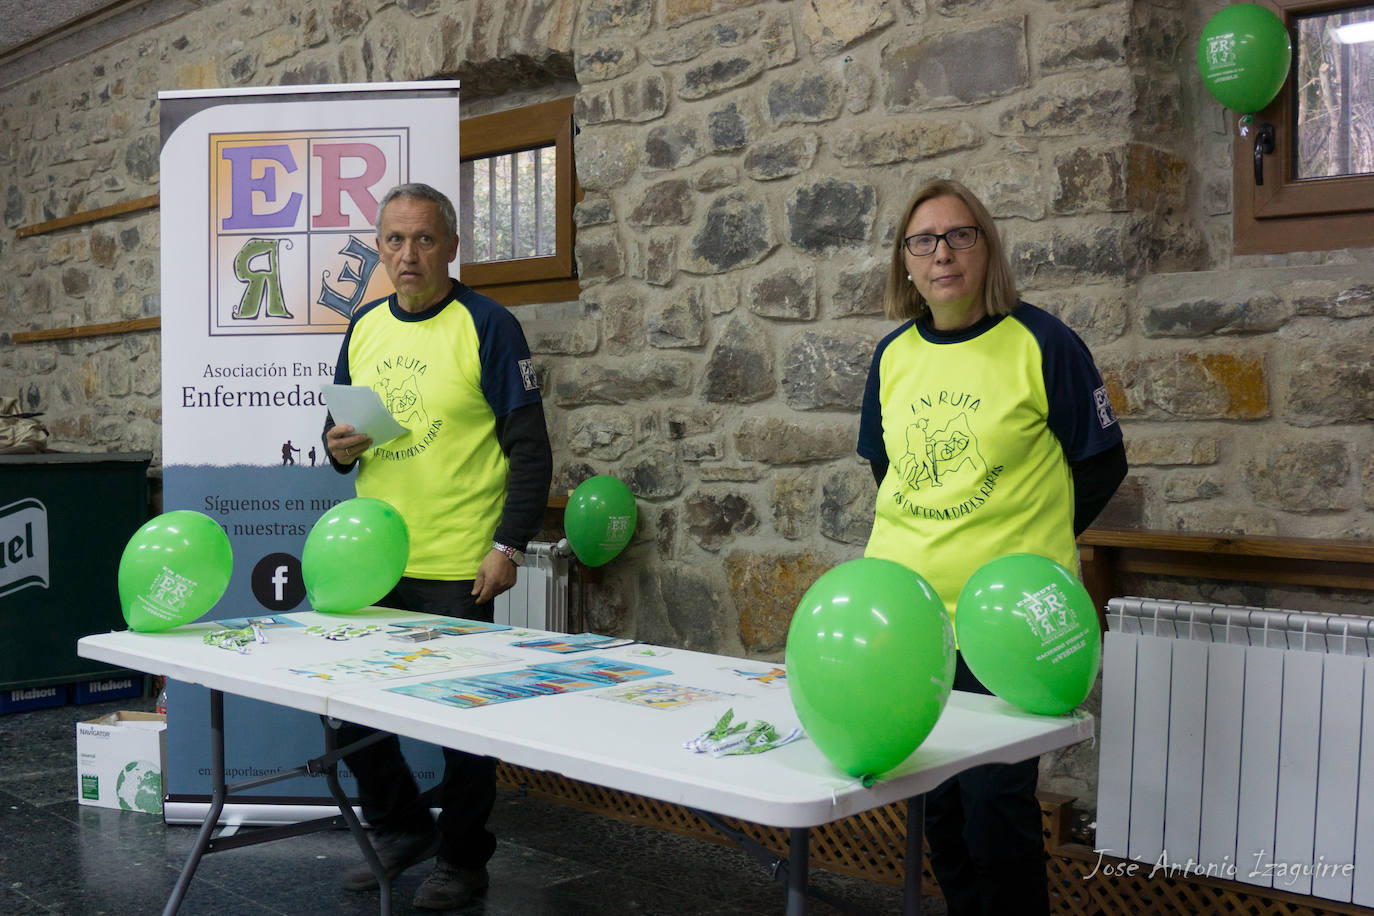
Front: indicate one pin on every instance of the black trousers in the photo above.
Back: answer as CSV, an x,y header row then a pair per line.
x,y
386,787
984,828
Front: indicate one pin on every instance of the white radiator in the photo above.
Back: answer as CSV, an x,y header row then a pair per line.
x,y
539,598
1239,743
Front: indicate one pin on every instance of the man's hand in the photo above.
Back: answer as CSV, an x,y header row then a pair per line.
x,y
345,444
494,576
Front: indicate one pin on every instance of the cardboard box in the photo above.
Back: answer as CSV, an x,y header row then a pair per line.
x,y
119,761
25,698
110,688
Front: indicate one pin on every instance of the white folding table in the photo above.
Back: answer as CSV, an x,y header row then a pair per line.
x,y
583,735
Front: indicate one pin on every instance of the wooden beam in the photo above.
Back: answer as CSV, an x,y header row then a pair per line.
x,y
88,330
88,216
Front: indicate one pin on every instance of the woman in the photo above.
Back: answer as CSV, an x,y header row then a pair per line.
x,y
1000,439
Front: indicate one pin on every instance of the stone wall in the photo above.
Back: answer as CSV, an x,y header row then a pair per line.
x,y
743,163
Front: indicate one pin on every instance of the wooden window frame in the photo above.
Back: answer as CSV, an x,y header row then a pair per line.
x,y
1285,214
523,281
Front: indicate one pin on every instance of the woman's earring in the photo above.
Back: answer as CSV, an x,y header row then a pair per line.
x,y
908,278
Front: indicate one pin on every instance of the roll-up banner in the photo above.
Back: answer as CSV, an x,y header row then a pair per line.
x,y
268,202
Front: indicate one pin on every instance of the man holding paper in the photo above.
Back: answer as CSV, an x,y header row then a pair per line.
x,y
470,475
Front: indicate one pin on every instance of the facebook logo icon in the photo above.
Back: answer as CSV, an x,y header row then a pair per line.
x,y
277,582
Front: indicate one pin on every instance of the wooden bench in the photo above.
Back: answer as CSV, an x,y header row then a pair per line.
x,y
1108,553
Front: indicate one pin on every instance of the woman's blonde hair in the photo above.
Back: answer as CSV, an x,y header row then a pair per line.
x,y
902,301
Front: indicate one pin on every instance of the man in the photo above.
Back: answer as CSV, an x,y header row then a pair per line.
x,y
471,479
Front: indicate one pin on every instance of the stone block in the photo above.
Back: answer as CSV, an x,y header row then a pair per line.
x,y
767,588
1194,385
730,128
715,178
859,290
679,12
599,255
1190,486
736,232
1096,314
593,211
1063,259
792,497
958,67
671,146
848,498
1172,449
833,26
657,474
806,99
718,74
667,203
620,18
1300,475
1330,382
910,140
698,607
595,65
1206,317
782,441
660,260
740,368
769,160
1102,105
788,294
605,158
1096,40
827,371
640,99
643,378
715,518
830,214
677,319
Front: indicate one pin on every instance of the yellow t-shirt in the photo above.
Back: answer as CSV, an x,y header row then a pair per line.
x,y
445,374
978,429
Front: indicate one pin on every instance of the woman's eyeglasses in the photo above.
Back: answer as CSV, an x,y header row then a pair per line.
x,y
924,244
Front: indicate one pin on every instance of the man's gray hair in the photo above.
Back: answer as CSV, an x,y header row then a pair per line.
x,y
415,190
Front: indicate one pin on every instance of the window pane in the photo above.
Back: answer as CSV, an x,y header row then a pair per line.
x,y
1335,89
512,214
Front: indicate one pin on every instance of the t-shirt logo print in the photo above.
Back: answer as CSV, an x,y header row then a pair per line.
x,y
933,455
527,376
1105,415
404,401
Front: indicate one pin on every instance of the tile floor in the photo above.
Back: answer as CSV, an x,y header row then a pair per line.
x,y
59,857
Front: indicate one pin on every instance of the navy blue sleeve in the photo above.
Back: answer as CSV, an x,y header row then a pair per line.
x,y
1081,415
871,445
508,377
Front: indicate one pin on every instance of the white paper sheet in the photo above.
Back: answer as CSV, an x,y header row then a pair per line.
x,y
361,407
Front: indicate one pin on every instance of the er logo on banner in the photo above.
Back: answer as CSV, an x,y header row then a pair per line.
x,y
291,227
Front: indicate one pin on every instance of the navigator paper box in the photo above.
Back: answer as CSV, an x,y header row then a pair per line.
x,y
119,761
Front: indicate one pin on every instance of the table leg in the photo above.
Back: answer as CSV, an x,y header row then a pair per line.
x,y
798,859
355,827
915,831
217,796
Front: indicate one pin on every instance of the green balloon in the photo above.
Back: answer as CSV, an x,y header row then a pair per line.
x,y
173,570
1243,56
599,519
354,555
1029,631
870,662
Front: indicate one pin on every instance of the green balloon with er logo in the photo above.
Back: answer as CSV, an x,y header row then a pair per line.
x,y
1243,56
1029,631
600,519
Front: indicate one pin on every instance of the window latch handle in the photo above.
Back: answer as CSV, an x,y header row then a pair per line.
x,y
1264,145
